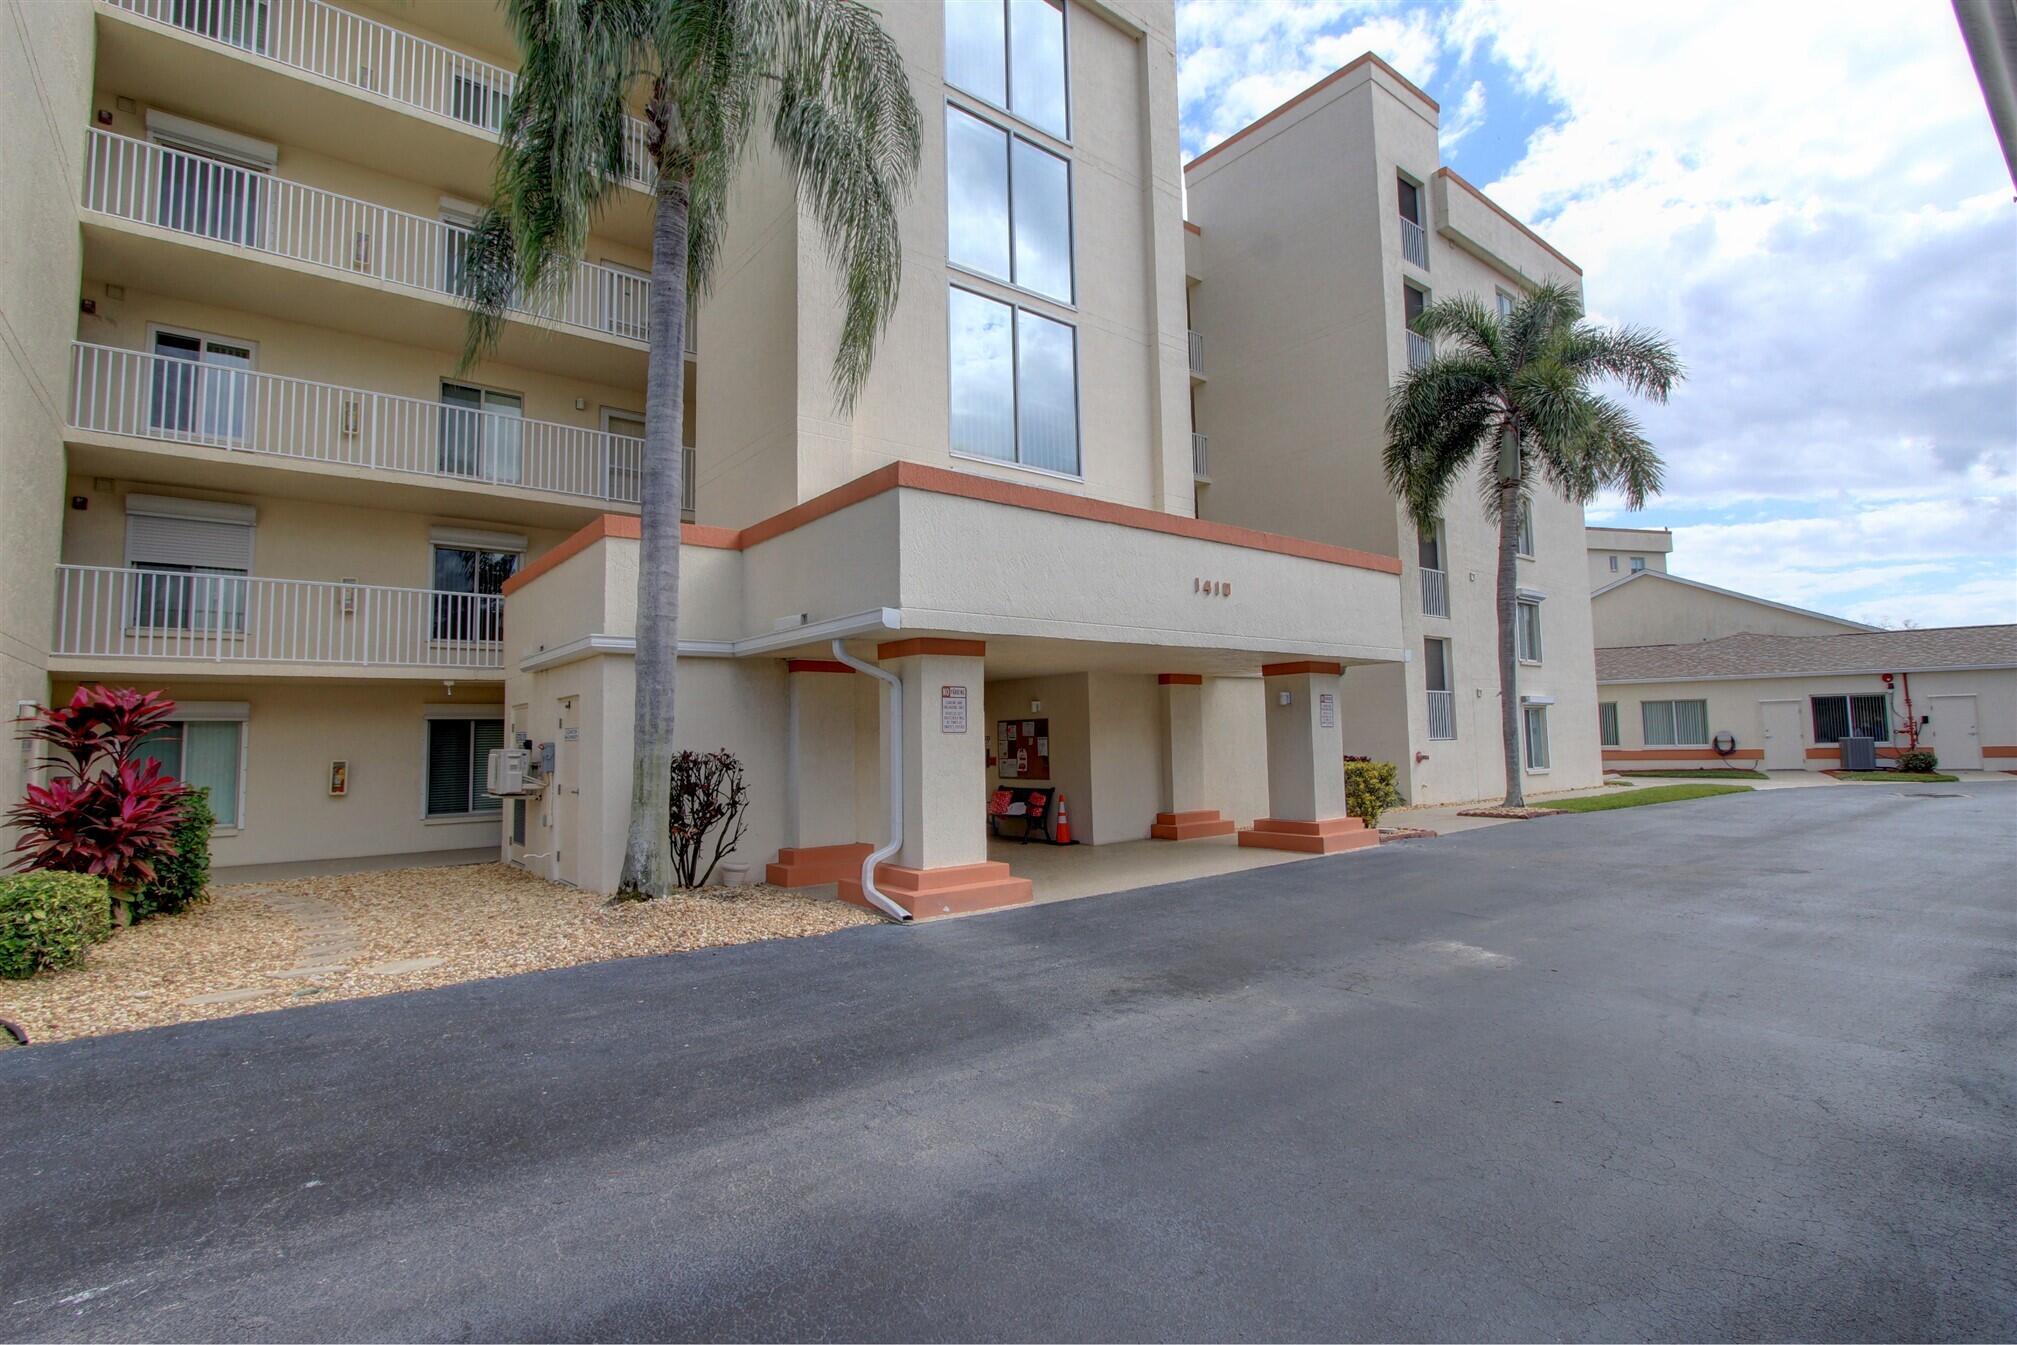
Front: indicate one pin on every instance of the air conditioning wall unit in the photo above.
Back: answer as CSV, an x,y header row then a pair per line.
x,y
1859,754
509,773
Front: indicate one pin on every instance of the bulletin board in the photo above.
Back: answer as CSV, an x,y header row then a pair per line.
x,y
1022,749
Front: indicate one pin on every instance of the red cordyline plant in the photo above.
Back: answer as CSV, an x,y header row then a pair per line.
x,y
106,812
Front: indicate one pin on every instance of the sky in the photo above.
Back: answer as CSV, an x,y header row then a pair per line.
x,y
1806,198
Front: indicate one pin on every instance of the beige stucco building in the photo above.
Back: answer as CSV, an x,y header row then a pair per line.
x,y
1323,227
1786,702
1620,553
1653,607
245,467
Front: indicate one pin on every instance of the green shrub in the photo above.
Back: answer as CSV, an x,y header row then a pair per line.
x,y
1370,789
1918,762
181,875
49,920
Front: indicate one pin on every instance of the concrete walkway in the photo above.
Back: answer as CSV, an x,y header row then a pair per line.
x,y
1065,872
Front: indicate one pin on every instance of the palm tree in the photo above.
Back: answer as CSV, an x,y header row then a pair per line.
x,y
1512,400
830,85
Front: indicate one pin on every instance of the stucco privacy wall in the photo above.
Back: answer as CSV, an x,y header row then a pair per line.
x,y
45,81
775,308
293,730
1654,609
1736,705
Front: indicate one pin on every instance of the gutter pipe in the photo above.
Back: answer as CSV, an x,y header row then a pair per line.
x,y
892,729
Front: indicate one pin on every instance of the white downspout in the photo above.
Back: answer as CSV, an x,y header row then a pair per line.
x,y
892,730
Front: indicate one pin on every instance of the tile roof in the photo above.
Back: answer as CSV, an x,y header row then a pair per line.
x,y
1793,655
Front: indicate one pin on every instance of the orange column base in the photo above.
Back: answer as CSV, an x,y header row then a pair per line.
x,y
1326,837
1190,826
948,891
809,866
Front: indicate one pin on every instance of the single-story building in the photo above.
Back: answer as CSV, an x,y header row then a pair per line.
x,y
1786,701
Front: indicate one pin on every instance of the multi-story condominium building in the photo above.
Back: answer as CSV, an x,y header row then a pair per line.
x,y
1619,553
246,465
1324,228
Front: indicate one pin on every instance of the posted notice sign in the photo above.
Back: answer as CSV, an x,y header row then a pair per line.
x,y
952,709
1327,710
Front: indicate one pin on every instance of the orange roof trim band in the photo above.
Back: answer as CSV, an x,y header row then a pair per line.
x,y
1368,59
926,644
1291,669
942,481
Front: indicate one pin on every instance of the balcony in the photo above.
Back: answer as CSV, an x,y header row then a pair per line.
x,y
1197,357
1435,593
309,236
1420,350
333,80
1414,243
1442,715
134,394
1200,464
123,616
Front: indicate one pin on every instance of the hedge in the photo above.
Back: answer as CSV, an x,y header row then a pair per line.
x,y
50,920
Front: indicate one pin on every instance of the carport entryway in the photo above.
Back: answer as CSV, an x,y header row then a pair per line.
x,y
1062,872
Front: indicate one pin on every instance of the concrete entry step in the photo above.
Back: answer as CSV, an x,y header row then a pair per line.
x,y
1192,826
1326,836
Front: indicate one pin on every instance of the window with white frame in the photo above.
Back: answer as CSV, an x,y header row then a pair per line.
x,y
1614,565
458,756
191,559
200,386
1607,723
1011,53
1014,384
1442,699
1505,306
1638,564
1008,206
470,568
1839,717
203,746
481,434
1675,723
1526,542
1534,719
1527,629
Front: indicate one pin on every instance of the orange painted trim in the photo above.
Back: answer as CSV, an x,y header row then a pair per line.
x,y
1507,216
930,645
1290,669
623,527
1327,836
1368,59
943,481
1191,826
815,665
1191,228
1180,679
1681,754
1999,751
809,866
955,890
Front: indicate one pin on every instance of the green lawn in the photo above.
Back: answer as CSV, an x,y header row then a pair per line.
x,y
1704,773
1603,803
1899,777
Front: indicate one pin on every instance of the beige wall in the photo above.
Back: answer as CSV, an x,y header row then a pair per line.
x,y
1301,307
1612,551
45,78
1734,706
1659,611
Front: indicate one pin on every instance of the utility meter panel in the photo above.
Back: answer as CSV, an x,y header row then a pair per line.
x,y
546,759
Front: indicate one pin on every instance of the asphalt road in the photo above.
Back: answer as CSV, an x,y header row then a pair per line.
x,y
1736,1068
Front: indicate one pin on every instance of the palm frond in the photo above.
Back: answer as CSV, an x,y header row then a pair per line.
x,y
1438,418
1474,327
1642,361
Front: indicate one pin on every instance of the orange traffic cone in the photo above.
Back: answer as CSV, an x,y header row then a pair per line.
x,y
1064,836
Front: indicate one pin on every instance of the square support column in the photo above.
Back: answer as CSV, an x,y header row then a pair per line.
x,y
1306,764
942,867
1183,719
819,807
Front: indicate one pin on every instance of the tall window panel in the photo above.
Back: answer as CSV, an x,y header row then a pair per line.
x,y
1527,630
1607,723
1008,207
1014,384
203,754
458,757
1012,54
1536,717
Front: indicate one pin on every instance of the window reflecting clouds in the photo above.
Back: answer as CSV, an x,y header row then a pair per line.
x,y
1047,386
983,377
1037,63
977,194
974,42
1043,221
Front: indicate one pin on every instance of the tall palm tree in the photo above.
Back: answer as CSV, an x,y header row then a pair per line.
x,y
830,85
1512,401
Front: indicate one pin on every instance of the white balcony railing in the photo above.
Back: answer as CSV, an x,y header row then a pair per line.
x,y
150,184
131,392
1200,463
1435,593
1198,353
350,49
1442,714
1420,350
1414,243
231,618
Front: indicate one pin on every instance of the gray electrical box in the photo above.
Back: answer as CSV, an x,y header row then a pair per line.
x,y
1859,754
546,759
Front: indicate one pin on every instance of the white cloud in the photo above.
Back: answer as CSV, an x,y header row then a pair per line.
x,y
1468,117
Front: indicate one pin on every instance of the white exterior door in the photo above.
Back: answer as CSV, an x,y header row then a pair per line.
x,y
568,846
1785,749
1956,735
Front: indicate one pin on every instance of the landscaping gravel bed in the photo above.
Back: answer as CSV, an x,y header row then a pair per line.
x,y
479,920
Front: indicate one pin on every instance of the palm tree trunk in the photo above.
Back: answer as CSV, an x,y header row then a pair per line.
x,y
1509,621
647,856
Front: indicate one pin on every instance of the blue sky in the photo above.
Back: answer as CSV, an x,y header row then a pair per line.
x,y
1806,198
